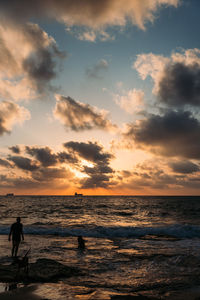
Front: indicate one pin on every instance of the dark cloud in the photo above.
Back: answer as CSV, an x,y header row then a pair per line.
x,y
185,167
43,155
180,85
47,158
176,78
97,180
98,176
47,170
23,163
101,173
79,116
173,134
97,70
15,149
40,64
40,172
102,168
90,151
4,163
40,68
65,157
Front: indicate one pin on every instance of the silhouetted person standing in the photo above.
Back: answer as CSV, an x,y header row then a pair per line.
x,y
16,230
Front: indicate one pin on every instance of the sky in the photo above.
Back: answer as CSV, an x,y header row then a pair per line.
x,y
100,97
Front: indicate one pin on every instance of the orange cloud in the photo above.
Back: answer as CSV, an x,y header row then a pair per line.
x,y
132,101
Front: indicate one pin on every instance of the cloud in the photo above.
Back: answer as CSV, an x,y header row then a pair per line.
x,y
149,175
43,155
11,114
79,116
41,181
4,163
175,134
26,71
101,173
89,36
96,70
95,180
176,79
92,35
15,149
90,151
98,176
64,157
131,102
24,163
180,85
184,167
46,170
93,14
38,175
47,158
44,159
49,174
156,176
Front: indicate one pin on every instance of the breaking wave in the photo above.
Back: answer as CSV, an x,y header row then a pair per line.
x,y
177,231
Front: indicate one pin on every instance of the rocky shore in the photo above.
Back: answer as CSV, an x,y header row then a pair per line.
x,y
43,270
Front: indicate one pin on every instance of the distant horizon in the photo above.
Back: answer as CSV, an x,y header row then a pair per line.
x,y
102,195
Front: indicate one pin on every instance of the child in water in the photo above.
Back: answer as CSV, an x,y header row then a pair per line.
x,y
81,243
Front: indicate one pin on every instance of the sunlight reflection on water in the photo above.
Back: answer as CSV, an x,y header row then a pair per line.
x,y
133,244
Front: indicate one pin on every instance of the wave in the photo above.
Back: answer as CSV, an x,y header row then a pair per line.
x,y
177,231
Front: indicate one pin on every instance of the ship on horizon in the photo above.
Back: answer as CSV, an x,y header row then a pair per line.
x,y
10,195
77,194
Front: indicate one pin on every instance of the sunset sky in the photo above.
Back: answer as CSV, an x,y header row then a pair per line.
x,y
100,97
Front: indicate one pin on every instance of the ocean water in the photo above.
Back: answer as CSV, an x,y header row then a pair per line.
x,y
146,245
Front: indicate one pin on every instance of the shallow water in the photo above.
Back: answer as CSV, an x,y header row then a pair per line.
x,y
146,245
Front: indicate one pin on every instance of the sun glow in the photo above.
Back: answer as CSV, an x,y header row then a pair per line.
x,y
87,163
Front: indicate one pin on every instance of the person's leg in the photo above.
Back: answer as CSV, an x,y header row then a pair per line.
x,y
16,247
13,248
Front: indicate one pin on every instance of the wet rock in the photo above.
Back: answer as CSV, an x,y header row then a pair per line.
x,y
43,270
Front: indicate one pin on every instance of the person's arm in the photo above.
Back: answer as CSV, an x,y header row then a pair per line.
x,y
11,229
22,233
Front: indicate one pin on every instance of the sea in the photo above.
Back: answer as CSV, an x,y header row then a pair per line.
x,y
135,245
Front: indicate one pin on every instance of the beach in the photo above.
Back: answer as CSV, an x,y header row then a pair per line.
x,y
135,246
